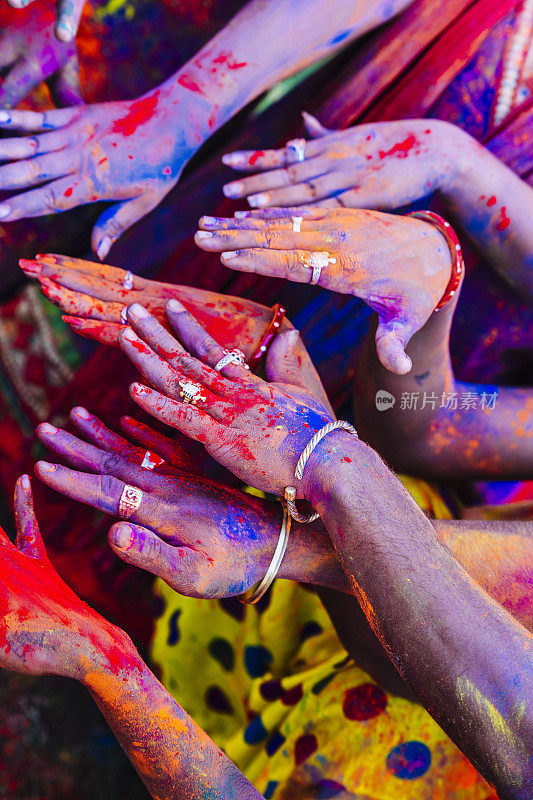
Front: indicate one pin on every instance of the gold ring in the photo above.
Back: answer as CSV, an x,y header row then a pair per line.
x,y
130,500
191,392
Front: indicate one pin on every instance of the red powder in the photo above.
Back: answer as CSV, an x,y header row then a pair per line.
x,y
401,149
187,82
491,201
139,113
253,158
68,192
504,220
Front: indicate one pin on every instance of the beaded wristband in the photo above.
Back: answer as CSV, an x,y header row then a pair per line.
x,y
290,491
455,250
268,336
256,593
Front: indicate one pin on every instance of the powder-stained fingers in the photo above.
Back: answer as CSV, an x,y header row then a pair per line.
x,y
277,178
53,198
290,264
68,19
308,191
268,237
102,436
33,171
173,452
307,212
102,332
28,540
102,492
35,121
259,160
78,304
177,564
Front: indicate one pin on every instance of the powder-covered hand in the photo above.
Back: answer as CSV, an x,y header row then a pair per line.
x,y
44,627
68,15
382,165
400,266
30,54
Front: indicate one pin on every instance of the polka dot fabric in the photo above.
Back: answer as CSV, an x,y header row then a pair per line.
x,y
276,691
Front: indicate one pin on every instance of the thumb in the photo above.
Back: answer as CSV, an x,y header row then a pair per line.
x,y
118,218
65,84
314,128
282,365
392,338
29,540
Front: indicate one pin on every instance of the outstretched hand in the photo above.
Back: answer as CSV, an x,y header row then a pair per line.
x,y
68,16
400,266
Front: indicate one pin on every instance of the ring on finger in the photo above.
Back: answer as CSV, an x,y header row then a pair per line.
x,y
317,262
298,148
297,224
235,356
151,460
191,392
130,500
127,281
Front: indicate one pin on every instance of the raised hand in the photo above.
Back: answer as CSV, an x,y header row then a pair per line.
x,y
44,626
382,165
68,16
30,54
130,153
399,266
204,539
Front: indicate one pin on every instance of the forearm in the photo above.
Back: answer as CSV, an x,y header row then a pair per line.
x,y
499,556
173,756
267,42
434,621
492,204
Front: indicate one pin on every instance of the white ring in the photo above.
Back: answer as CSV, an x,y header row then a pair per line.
x,y
298,147
317,262
151,460
127,282
297,224
315,275
130,500
235,357
124,315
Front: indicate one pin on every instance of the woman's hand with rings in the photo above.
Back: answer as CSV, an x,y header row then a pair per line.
x,y
255,429
380,165
203,538
400,266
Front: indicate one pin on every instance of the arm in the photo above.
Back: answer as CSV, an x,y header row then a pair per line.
x,y
438,426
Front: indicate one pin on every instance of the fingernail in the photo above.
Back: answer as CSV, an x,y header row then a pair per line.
x,y
123,536
5,210
209,220
242,214
229,254
25,481
200,235
5,117
82,412
129,334
175,305
104,246
233,159
137,310
64,32
30,266
292,338
258,200
45,427
45,466
233,189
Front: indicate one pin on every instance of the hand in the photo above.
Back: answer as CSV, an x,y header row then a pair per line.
x,y
400,266
204,539
68,16
129,152
30,54
382,165
95,294
44,626
255,429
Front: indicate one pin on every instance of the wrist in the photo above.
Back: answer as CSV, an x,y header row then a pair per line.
x,y
109,653
334,458
459,159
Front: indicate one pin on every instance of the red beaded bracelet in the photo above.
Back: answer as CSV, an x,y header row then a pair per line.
x,y
454,245
268,336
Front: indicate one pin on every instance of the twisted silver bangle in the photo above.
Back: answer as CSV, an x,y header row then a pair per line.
x,y
253,595
290,491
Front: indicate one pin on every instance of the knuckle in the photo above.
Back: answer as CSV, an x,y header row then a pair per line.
x,y
109,461
108,484
291,174
151,549
49,199
313,188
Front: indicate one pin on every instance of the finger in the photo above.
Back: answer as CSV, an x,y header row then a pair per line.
x,y
29,146
8,50
65,84
191,421
257,160
68,19
278,178
85,456
166,348
173,452
282,365
102,436
102,492
310,212
29,540
33,171
391,340
77,304
118,218
269,237
177,565
290,264
54,198
309,192
102,332
313,126
35,121
22,77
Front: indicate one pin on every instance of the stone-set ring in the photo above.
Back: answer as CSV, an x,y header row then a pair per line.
x,y
236,356
127,282
191,392
317,262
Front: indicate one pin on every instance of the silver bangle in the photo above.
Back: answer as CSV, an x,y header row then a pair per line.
x,y
256,593
290,491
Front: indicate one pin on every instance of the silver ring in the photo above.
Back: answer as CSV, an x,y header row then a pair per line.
x,y
236,356
124,315
127,282
191,392
151,460
298,147
130,500
317,262
296,224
